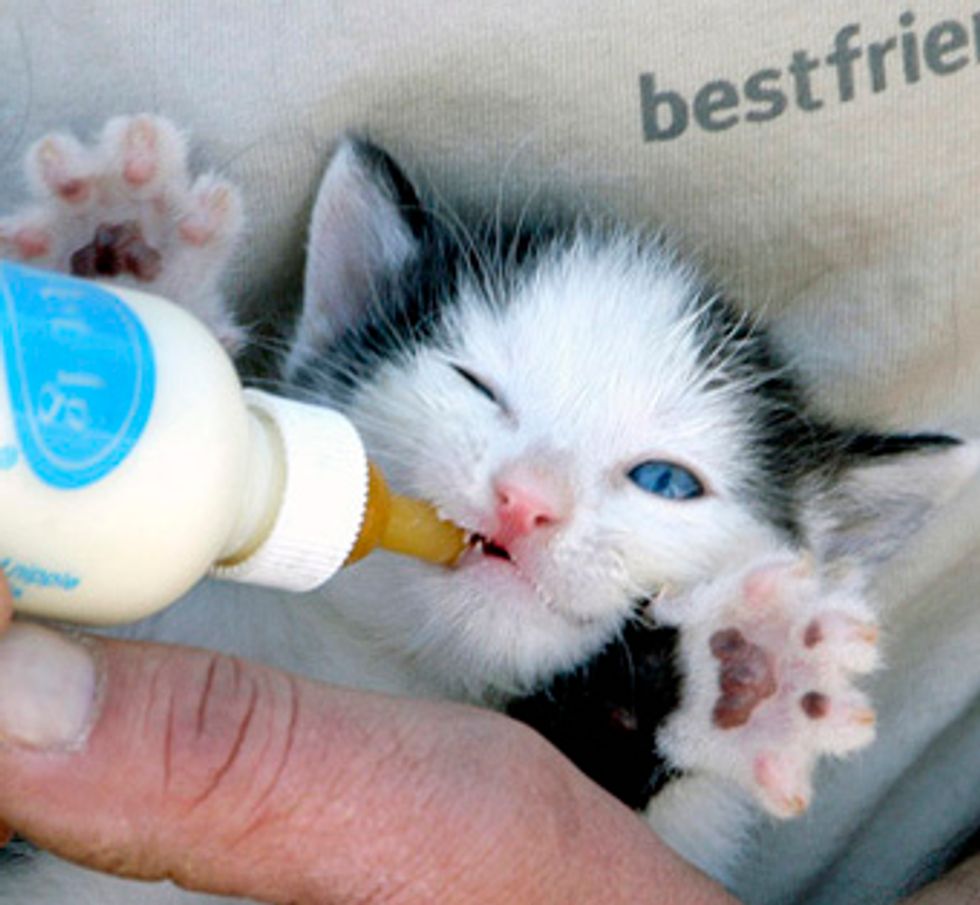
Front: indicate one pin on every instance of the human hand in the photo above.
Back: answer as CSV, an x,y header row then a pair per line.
x,y
959,887
227,777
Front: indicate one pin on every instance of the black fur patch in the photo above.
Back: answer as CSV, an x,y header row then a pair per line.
x,y
604,716
407,307
859,446
795,452
737,351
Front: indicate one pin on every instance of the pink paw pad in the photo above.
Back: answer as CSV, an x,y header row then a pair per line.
x,y
25,243
58,165
139,146
32,243
214,211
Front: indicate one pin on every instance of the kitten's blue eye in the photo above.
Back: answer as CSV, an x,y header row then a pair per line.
x,y
477,384
667,480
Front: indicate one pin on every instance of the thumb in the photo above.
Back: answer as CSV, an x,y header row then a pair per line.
x,y
160,762
227,777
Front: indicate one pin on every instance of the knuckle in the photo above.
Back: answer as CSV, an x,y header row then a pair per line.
x,y
223,737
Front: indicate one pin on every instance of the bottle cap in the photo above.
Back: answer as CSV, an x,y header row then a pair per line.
x,y
323,499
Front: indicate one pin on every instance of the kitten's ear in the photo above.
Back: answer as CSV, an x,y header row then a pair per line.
x,y
886,487
366,224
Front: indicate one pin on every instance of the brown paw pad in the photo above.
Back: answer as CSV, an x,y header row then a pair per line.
x,y
745,679
117,248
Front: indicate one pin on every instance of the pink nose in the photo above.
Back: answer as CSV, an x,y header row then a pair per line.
x,y
523,508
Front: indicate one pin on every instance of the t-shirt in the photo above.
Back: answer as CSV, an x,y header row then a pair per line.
x,y
821,159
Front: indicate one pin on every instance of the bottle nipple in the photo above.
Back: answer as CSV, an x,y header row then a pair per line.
x,y
406,526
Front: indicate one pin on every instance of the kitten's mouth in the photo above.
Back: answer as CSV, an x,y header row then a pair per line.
x,y
481,544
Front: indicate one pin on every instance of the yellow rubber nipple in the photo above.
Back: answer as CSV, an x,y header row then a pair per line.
x,y
406,526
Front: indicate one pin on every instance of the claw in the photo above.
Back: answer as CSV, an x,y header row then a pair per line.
x,y
853,642
849,725
785,784
866,632
864,717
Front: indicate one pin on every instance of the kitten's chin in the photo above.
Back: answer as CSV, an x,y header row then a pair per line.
x,y
510,585
502,634
482,627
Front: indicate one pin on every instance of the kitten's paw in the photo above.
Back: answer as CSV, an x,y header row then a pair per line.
x,y
124,208
769,657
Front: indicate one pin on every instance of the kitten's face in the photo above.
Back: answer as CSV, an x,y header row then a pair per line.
x,y
556,423
588,410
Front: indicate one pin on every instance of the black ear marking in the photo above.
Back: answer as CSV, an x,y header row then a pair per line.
x,y
867,446
388,174
879,489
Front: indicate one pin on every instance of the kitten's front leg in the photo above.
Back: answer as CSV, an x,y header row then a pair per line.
x,y
124,208
769,656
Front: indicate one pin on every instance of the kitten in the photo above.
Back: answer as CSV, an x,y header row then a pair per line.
x,y
671,548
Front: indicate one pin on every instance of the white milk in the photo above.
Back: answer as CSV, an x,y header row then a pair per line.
x,y
131,461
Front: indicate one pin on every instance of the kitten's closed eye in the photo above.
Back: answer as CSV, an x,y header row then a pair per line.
x,y
479,385
667,480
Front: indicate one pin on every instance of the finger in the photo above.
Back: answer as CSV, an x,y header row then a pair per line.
x,y
152,763
959,887
6,603
234,779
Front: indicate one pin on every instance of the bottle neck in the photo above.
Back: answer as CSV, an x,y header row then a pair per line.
x,y
403,525
310,502
262,490
377,512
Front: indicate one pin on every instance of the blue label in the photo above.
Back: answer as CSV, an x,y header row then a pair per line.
x,y
80,372
22,576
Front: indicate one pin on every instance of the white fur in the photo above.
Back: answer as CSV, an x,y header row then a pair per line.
x,y
438,439
705,819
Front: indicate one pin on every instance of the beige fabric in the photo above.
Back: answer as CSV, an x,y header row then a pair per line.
x,y
855,226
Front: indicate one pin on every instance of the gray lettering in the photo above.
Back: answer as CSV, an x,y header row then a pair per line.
x,y
910,49
652,101
711,99
755,90
936,46
801,67
718,105
876,63
843,57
